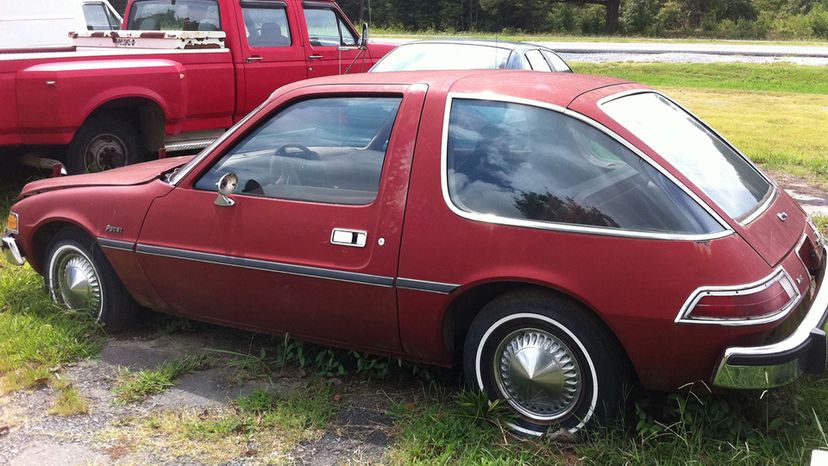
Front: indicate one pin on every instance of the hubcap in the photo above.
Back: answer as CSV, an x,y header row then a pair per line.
x,y
104,152
74,280
538,374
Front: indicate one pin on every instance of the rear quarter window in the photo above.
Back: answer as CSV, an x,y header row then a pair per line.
x,y
523,163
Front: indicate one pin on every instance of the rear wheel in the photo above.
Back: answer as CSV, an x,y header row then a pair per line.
x,y
80,278
104,142
555,366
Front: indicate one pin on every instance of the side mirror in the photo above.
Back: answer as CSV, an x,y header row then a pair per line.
x,y
363,41
226,185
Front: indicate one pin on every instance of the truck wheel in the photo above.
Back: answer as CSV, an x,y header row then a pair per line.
x,y
104,142
80,278
555,366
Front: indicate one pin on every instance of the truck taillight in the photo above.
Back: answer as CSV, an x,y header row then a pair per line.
x,y
760,302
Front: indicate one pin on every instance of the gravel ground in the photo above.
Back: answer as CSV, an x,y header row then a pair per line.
x,y
29,436
676,57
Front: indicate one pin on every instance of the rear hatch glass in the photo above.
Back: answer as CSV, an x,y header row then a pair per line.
x,y
724,175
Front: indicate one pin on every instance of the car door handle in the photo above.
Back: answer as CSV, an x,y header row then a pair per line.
x,y
346,237
253,58
314,57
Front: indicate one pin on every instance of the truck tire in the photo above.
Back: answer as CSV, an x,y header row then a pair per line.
x,y
555,366
102,143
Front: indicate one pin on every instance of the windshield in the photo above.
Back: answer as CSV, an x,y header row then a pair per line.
x,y
706,160
174,15
443,57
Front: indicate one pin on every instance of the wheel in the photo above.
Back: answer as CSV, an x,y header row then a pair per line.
x,y
103,143
555,365
80,278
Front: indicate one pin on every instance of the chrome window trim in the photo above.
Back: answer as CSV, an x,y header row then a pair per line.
x,y
749,288
764,203
557,226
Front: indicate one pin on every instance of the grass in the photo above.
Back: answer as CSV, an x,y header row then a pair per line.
x,y
775,130
776,77
36,336
379,33
751,428
133,386
263,425
769,112
821,222
69,401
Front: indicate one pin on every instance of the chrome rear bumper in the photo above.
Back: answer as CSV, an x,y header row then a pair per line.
x,y
10,250
804,351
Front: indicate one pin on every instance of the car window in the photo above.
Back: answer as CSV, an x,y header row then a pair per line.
x,y
96,17
114,19
555,61
326,28
707,161
328,150
265,25
174,15
521,162
425,56
536,61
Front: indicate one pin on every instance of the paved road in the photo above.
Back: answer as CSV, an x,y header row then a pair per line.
x,y
678,52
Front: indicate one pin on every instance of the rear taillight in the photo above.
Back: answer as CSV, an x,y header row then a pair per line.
x,y
765,301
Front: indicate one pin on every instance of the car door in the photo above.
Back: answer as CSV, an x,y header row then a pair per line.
x,y
331,43
310,246
272,51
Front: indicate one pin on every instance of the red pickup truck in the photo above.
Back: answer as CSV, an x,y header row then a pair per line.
x,y
177,73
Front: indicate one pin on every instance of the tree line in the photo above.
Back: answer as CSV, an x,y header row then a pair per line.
x,y
731,19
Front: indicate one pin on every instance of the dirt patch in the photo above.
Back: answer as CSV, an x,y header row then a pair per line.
x,y
111,433
809,194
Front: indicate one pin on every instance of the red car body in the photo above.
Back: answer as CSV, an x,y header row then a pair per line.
x,y
49,97
415,293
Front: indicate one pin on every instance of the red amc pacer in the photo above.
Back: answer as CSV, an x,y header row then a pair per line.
x,y
557,235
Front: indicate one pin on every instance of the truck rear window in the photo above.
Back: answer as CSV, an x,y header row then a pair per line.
x,y
174,15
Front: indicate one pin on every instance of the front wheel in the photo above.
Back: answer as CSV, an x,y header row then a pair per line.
x,y
80,278
554,365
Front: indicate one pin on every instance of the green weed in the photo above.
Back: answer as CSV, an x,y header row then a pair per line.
x,y
37,337
69,401
135,386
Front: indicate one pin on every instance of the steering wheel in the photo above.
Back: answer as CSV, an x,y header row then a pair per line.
x,y
303,153
291,173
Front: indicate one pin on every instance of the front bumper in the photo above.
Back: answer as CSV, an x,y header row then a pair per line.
x,y
804,351
10,250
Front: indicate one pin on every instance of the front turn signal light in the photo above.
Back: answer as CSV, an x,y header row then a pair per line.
x,y
11,222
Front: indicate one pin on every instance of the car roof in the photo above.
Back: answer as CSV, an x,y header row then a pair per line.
x,y
508,45
553,88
